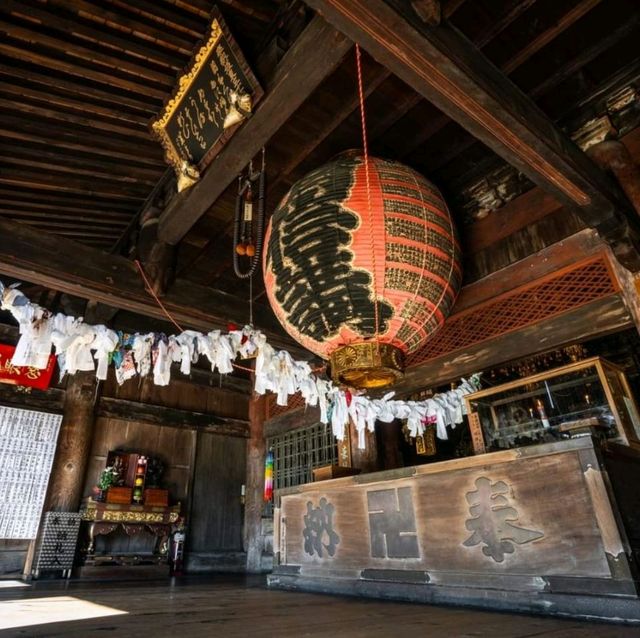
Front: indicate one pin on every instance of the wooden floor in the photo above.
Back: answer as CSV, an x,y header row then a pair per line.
x,y
229,607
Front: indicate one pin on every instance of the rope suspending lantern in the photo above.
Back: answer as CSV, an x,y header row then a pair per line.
x,y
251,196
362,262
365,150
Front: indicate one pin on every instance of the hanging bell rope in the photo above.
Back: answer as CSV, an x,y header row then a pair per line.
x,y
251,195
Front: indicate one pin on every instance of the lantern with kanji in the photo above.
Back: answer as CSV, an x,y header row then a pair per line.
x,y
362,266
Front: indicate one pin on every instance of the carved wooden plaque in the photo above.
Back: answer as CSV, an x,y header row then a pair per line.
x,y
191,125
524,518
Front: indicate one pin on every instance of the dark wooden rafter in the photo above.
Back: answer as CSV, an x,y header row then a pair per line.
x,y
83,53
371,83
139,30
585,56
548,35
449,71
314,56
67,266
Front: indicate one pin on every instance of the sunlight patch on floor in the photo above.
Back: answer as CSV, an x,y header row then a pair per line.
x,y
5,584
39,611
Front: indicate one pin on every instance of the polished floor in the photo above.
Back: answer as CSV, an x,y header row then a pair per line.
x,y
234,606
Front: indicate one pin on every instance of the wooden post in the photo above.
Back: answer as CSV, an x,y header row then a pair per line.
x,y
365,460
74,443
254,490
157,256
390,434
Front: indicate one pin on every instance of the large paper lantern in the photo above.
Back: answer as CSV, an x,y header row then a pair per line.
x,y
335,249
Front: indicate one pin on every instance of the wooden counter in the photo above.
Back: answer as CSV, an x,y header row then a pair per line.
x,y
518,529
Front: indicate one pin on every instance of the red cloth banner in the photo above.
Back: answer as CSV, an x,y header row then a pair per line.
x,y
22,375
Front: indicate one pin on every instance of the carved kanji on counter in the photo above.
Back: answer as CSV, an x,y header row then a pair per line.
x,y
318,529
392,524
492,519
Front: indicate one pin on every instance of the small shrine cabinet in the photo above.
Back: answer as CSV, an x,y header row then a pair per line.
x,y
589,397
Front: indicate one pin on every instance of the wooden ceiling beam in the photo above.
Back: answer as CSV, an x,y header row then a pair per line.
x,y
438,122
69,48
47,210
498,26
586,55
60,160
82,90
33,11
136,29
450,72
29,216
79,70
65,265
80,234
73,119
81,171
62,264
315,54
548,35
164,15
13,127
64,201
371,83
53,100
87,187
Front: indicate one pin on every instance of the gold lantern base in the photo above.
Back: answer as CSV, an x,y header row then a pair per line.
x,y
367,365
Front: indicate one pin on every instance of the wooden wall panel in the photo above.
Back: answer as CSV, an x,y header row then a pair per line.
x,y
175,447
181,393
216,521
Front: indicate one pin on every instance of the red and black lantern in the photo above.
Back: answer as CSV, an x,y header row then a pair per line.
x,y
362,266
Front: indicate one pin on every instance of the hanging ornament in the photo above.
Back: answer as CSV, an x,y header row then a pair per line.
x,y
239,109
362,263
268,476
362,292
248,229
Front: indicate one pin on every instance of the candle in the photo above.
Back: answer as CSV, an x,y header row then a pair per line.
x,y
542,414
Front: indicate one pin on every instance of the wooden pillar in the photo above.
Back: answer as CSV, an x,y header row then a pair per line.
x,y
157,256
256,452
365,460
74,443
390,434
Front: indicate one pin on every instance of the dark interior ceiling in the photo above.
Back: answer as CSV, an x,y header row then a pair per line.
x,y
81,79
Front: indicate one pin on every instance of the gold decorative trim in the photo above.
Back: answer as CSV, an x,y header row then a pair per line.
x,y
115,513
367,364
184,83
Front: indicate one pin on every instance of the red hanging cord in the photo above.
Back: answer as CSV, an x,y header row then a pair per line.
x,y
166,312
365,148
150,290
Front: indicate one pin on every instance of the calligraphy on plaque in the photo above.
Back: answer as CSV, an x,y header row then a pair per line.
x,y
198,120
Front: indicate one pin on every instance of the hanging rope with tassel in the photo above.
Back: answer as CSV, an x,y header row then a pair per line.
x,y
251,189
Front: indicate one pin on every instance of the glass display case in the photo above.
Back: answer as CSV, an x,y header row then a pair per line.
x,y
585,398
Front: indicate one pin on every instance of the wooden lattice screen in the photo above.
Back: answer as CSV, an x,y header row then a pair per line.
x,y
544,298
274,410
550,296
